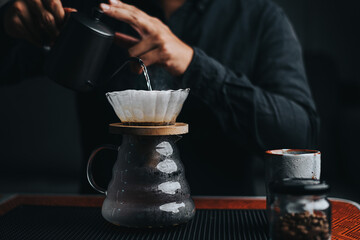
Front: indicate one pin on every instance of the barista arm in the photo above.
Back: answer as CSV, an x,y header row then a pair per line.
x,y
277,111
158,44
9,49
21,55
18,58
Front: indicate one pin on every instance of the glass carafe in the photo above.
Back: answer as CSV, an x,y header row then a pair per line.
x,y
148,186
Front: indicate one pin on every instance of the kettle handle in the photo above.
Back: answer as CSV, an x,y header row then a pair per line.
x,y
89,173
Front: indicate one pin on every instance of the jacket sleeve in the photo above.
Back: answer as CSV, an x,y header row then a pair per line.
x,y
275,109
18,59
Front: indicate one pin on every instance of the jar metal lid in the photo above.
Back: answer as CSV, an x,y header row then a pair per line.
x,y
299,186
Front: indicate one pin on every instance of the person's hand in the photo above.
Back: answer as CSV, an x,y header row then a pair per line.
x,y
37,21
158,45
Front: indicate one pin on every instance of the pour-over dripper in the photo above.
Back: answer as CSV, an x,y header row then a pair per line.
x,y
140,107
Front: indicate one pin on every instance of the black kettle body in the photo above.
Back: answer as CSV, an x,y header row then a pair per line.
x,y
77,57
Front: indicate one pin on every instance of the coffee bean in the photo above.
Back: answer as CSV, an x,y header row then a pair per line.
x,y
302,226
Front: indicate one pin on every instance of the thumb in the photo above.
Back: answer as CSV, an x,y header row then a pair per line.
x,y
68,11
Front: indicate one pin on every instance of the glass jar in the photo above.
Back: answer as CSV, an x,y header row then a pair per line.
x,y
300,210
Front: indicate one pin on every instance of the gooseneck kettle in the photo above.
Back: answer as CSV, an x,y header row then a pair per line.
x,y
78,55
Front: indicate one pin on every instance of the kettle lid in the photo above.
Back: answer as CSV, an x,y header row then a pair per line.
x,y
94,22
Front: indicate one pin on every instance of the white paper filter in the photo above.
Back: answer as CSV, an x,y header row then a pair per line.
x,y
140,106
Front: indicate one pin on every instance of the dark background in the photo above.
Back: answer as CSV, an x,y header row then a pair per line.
x,y
36,110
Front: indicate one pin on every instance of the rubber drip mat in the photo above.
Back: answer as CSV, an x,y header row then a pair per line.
x,y
48,222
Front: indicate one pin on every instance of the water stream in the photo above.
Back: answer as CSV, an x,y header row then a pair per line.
x,y
145,72
146,75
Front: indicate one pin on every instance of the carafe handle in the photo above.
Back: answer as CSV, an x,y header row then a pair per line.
x,y
89,174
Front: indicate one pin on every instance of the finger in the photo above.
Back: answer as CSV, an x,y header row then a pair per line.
x,y
68,11
56,9
18,30
44,18
142,47
23,13
152,57
128,14
124,40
